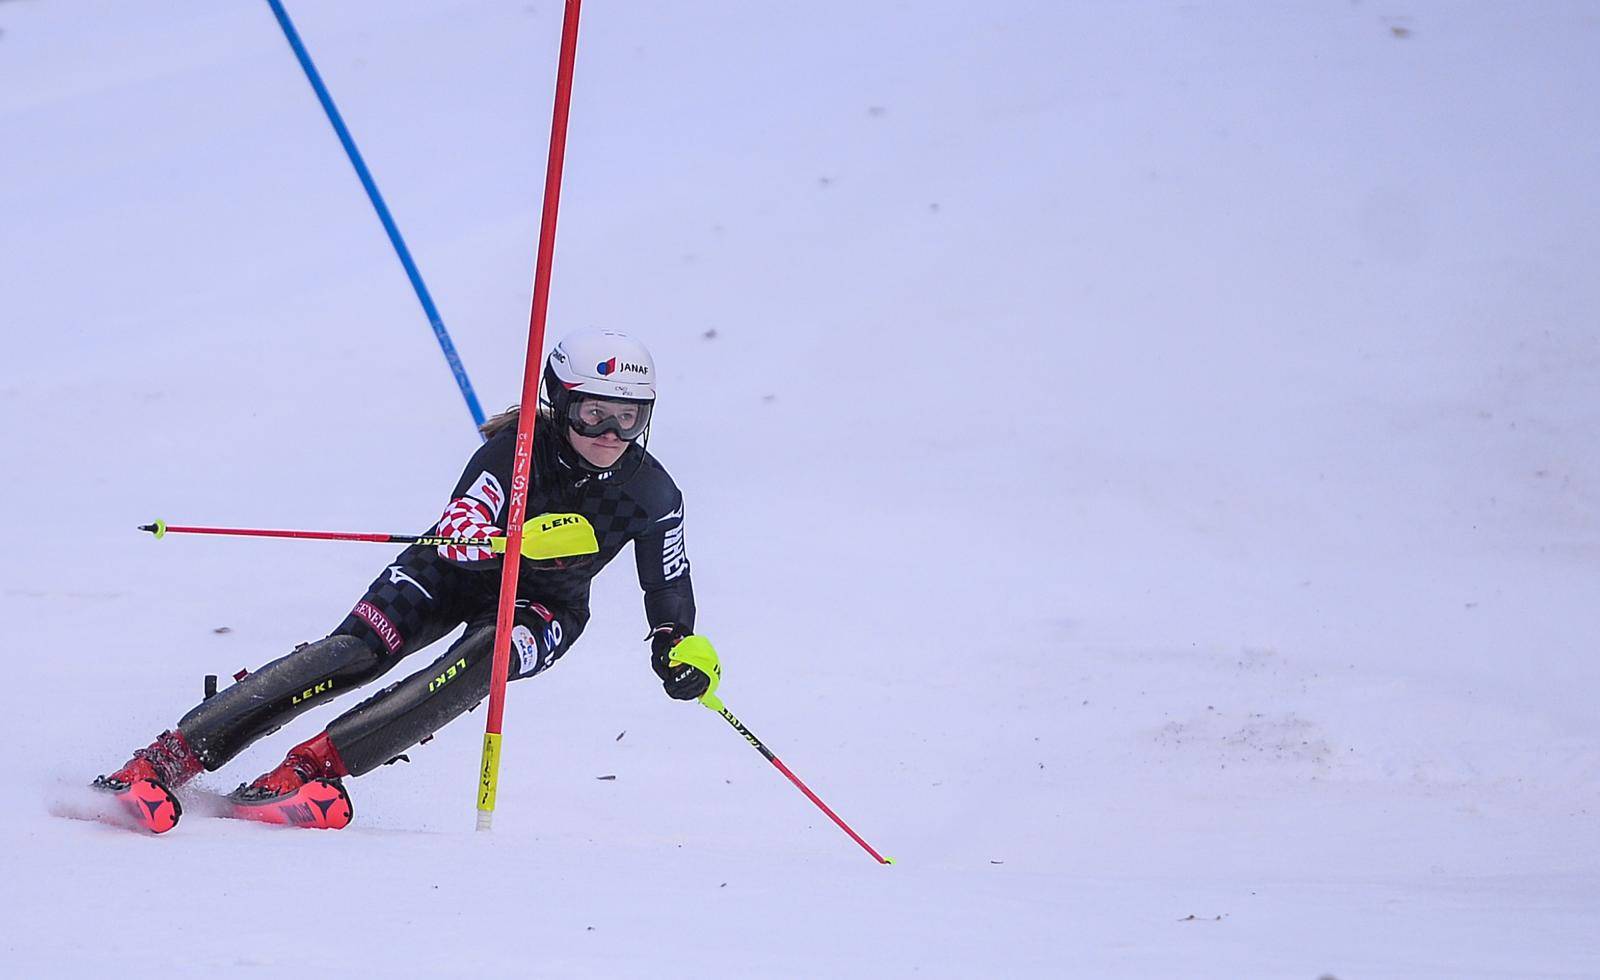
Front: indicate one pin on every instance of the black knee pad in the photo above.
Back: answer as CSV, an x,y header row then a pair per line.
x,y
223,725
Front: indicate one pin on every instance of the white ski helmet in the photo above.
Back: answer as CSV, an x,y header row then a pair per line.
x,y
599,364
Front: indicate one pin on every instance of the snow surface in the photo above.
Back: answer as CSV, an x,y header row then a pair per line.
x,y
1140,458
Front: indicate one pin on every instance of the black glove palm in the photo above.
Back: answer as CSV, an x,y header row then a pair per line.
x,y
681,681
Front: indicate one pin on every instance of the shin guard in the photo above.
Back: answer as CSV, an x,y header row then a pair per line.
x,y
404,713
221,726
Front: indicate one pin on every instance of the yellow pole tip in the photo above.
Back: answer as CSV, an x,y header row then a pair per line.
x,y
888,860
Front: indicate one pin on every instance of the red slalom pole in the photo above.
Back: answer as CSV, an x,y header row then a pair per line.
x,y
489,769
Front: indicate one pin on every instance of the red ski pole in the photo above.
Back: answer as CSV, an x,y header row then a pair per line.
x,y
161,529
555,536
697,652
738,726
489,767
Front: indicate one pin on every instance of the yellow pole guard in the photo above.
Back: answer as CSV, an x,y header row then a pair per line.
x,y
697,651
550,536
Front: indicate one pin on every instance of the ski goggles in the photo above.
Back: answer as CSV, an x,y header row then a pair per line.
x,y
594,417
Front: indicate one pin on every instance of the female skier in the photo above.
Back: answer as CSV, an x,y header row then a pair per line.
x,y
589,461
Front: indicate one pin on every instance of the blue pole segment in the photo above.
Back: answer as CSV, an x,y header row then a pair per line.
x,y
389,226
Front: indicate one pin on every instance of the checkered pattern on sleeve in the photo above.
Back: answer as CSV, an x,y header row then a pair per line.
x,y
466,517
616,517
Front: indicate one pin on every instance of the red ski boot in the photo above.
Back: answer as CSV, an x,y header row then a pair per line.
x,y
304,790
145,783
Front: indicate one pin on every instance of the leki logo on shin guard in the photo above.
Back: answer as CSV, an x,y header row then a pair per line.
x,y
321,687
447,675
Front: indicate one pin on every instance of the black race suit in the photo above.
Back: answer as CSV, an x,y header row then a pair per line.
x,y
426,592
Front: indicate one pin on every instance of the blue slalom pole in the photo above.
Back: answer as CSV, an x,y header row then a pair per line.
x,y
389,226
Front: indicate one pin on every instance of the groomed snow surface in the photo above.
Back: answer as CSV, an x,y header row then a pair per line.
x,y
1140,462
